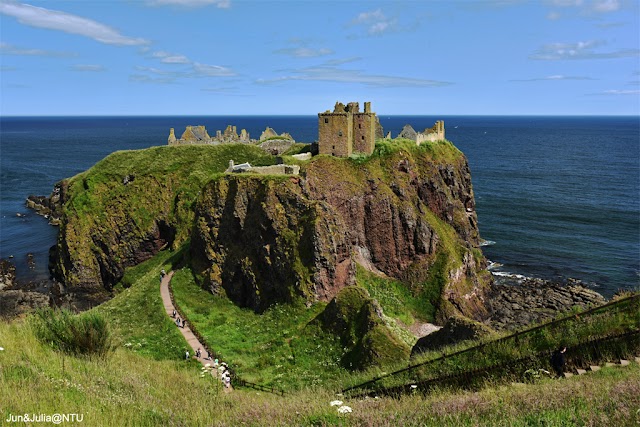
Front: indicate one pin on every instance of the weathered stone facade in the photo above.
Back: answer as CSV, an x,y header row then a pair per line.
x,y
346,130
199,135
436,133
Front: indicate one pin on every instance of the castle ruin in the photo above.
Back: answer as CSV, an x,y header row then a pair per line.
x,y
433,134
346,130
199,135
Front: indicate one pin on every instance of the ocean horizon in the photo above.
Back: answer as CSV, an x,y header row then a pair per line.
x,y
557,196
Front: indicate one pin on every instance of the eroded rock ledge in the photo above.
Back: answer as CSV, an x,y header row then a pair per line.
x,y
514,306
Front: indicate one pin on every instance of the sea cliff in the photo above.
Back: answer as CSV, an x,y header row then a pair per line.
x,y
405,212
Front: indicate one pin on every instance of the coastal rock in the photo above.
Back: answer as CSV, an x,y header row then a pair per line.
x,y
262,242
50,207
17,302
513,306
398,223
7,274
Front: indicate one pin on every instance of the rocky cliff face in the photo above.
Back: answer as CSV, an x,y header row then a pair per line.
x,y
407,212
262,242
404,211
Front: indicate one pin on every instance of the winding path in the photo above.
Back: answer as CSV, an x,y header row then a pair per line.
x,y
186,332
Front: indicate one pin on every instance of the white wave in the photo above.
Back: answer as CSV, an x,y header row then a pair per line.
x,y
487,242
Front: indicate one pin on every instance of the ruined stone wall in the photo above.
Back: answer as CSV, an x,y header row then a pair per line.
x,y
335,134
436,133
364,132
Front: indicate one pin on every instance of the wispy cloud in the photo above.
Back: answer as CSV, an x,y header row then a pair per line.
x,y
580,50
619,92
586,8
222,4
88,68
8,49
40,17
375,22
333,62
303,52
196,70
170,58
557,77
334,74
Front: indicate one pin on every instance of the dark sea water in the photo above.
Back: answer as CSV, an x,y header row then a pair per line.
x,y
559,196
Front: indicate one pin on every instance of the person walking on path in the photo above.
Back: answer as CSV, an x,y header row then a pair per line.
x,y
186,355
558,360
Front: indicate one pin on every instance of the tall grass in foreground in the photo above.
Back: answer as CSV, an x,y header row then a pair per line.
x,y
85,334
128,389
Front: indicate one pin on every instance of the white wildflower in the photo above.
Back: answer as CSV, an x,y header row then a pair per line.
x,y
208,365
1,348
413,386
345,410
336,403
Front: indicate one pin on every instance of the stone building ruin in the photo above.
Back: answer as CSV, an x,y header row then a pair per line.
x,y
346,130
433,134
199,135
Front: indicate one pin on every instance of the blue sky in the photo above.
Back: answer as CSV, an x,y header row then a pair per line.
x,y
220,57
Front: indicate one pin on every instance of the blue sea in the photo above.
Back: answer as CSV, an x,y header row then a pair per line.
x,y
557,197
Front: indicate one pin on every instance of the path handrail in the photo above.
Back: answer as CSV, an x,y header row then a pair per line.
x,y
498,340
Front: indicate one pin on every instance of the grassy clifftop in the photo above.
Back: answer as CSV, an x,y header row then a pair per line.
x,y
130,205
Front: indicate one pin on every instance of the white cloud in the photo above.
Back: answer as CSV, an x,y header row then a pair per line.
x,y
580,50
88,67
333,74
553,16
61,21
170,58
375,22
605,6
221,4
8,49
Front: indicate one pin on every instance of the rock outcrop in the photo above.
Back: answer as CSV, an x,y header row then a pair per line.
x,y
262,242
414,219
357,319
455,330
50,207
536,300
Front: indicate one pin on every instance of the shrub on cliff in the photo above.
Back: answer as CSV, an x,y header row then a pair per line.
x,y
80,335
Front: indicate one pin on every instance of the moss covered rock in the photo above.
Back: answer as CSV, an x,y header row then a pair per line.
x,y
456,329
357,320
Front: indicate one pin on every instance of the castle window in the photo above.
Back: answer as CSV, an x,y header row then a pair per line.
x,y
363,137
359,125
333,147
326,120
340,133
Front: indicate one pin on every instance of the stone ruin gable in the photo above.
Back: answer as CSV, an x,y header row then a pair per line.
x,y
199,135
271,133
346,130
436,133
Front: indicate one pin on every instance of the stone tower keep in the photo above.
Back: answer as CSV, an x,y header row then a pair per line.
x,y
346,130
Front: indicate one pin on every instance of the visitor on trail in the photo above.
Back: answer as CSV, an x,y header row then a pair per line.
x,y
184,323
162,274
227,381
178,322
215,363
198,353
174,314
186,355
558,360
208,355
